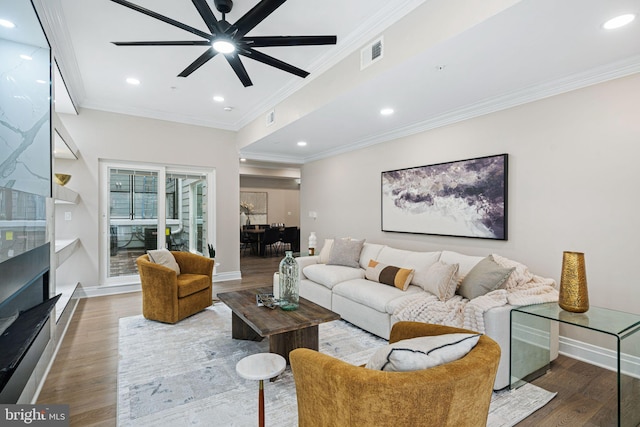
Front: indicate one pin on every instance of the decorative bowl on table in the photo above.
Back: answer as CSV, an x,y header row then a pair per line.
x,y
62,178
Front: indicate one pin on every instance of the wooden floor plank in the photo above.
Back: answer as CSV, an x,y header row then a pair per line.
x,y
84,372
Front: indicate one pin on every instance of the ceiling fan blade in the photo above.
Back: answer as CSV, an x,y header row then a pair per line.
x,y
166,43
264,41
207,16
269,60
163,18
255,16
202,59
238,67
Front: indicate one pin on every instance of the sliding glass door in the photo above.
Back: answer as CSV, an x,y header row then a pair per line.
x,y
151,207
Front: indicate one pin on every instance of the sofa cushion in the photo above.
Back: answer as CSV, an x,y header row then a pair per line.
x,y
440,280
325,251
331,275
189,284
165,258
346,252
369,251
484,277
466,262
372,294
422,352
389,274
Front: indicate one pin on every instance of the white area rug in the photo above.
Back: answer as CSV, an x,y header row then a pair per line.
x,y
184,375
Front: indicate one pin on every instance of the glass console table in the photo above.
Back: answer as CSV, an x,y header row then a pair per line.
x,y
531,343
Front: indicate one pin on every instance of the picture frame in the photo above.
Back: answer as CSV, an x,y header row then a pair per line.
x,y
464,198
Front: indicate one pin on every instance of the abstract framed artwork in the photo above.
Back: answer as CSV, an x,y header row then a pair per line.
x,y
465,198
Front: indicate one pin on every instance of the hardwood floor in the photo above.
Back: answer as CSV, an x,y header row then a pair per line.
x,y
84,372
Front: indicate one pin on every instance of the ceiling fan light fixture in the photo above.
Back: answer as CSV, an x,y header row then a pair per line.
x,y
223,46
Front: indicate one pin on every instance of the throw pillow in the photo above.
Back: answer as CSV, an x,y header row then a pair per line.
x,y
325,251
165,258
440,280
422,353
346,252
484,277
389,275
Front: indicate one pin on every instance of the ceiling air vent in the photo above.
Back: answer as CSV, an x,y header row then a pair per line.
x,y
371,53
271,117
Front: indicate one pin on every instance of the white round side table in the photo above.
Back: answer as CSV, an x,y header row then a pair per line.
x,y
260,367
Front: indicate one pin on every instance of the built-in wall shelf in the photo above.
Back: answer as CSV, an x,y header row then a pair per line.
x,y
64,249
66,291
64,195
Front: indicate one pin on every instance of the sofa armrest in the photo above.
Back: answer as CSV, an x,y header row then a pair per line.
x,y
304,261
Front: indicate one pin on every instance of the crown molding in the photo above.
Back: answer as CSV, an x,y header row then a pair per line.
x,y
55,27
533,93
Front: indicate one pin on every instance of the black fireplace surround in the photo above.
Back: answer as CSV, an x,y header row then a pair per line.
x,y
24,290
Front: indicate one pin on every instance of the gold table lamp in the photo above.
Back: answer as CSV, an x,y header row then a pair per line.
x,y
573,283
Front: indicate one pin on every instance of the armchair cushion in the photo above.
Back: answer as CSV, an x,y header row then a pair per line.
x,y
165,258
189,284
422,352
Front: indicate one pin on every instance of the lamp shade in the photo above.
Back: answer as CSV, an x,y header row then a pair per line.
x,y
573,283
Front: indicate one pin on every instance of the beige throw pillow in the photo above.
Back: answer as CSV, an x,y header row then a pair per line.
x,y
325,251
165,258
346,252
440,280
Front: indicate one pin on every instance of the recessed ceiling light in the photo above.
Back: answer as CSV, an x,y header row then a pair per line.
x,y
7,24
228,108
302,143
218,98
386,111
42,82
133,81
26,57
618,21
243,159
223,46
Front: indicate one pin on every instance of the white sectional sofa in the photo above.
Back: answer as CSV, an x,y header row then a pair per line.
x,y
370,305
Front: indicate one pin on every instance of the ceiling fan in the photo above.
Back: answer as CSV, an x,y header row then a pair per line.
x,y
231,39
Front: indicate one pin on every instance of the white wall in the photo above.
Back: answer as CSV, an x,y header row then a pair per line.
x,y
283,206
108,136
573,179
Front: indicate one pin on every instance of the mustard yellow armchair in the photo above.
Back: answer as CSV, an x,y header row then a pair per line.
x,y
169,297
331,392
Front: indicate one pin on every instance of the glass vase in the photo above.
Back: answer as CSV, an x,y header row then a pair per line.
x,y
289,282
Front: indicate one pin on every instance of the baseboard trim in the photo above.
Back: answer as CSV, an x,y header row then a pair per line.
x,y
600,356
99,291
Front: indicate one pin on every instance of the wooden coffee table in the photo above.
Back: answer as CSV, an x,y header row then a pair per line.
x,y
286,330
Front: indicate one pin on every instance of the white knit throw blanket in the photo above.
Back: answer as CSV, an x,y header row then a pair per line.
x,y
521,288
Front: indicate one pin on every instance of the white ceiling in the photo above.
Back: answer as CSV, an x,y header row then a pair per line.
x,y
535,48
